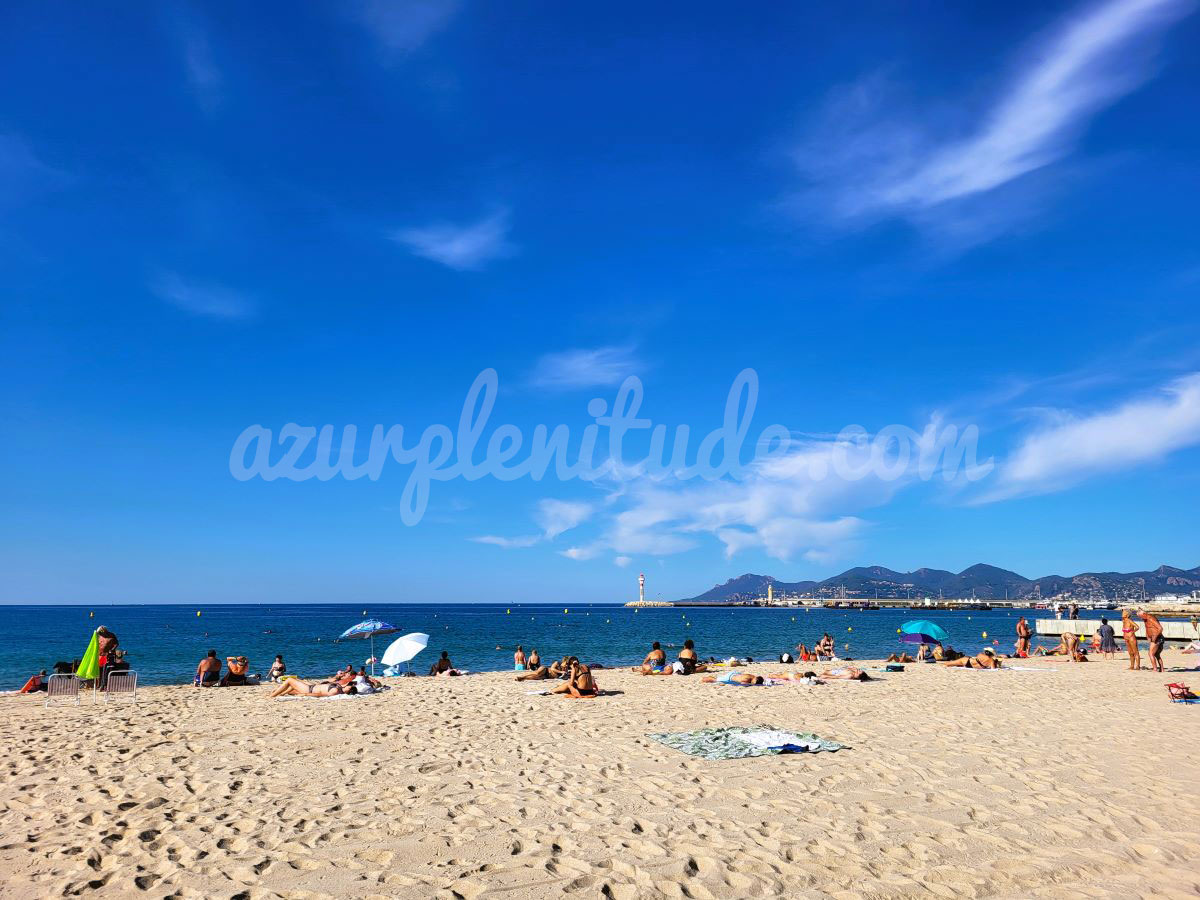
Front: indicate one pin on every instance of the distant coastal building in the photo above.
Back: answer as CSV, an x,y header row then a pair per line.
x,y
641,600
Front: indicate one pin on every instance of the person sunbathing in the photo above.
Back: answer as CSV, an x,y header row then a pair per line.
x,y
900,658
296,687
796,677
743,678
541,673
580,683
985,660
846,673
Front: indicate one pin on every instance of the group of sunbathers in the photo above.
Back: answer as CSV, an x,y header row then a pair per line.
x,y
208,672
345,681
655,662
577,677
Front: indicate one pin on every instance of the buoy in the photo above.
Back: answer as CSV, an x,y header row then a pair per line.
x,y
985,634
197,613
364,612
91,615
849,629
565,611
508,612
847,646
898,631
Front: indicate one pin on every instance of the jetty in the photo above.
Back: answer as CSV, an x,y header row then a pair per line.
x,y
1173,629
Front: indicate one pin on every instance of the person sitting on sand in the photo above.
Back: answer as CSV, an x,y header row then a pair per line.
x,y
208,673
846,673
442,665
743,678
985,660
236,676
35,683
804,655
579,684
688,663
654,662
900,658
824,647
278,669
519,659
294,686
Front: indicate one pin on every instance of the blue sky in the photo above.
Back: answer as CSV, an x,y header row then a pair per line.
x,y
226,215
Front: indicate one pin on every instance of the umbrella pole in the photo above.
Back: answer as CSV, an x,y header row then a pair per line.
x,y
372,656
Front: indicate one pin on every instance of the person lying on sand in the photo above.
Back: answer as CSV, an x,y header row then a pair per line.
x,y
742,678
900,658
796,677
294,686
580,683
846,673
985,660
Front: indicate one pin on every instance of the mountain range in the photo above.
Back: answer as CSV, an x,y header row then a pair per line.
x,y
983,581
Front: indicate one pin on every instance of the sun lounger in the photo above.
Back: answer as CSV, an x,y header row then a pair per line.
x,y
63,687
1180,693
121,683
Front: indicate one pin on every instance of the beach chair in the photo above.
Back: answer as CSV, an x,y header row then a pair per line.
x,y
1181,693
63,687
121,683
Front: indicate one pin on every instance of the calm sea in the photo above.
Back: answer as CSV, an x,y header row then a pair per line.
x,y
166,642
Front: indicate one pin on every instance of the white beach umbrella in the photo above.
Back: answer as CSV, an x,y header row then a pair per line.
x,y
404,648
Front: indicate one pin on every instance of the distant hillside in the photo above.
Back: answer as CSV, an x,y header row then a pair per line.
x,y
984,581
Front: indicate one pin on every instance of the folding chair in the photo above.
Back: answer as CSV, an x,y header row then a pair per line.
x,y
121,683
63,687
1180,693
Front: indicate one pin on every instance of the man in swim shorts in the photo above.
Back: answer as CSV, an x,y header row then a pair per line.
x,y
1154,634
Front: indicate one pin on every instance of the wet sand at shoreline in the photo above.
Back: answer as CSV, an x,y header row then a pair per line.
x,y
1073,780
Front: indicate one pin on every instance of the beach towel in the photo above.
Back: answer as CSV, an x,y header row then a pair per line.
x,y
740,742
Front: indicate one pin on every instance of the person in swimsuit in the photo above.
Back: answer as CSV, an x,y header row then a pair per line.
x,y
805,656
1154,636
846,673
1129,632
1024,634
824,647
535,659
442,665
743,678
278,669
519,659
796,677
208,673
579,684
985,660
654,662
294,686
900,658
236,676
688,661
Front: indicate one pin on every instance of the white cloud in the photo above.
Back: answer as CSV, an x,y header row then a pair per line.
x,y
622,561
508,543
1074,448
866,162
401,26
210,300
552,516
584,368
556,516
590,551
462,247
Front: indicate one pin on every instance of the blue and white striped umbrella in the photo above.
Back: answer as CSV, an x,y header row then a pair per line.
x,y
368,629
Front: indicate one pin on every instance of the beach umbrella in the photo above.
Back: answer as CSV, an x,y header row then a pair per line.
x,y
403,649
925,627
368,629
918,639
89,665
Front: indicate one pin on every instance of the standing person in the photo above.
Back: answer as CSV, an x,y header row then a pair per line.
x,y
1074,611
1108,639
1129,630
1024,633
1154,635
519,659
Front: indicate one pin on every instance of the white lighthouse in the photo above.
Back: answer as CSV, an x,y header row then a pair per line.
x,y
642,588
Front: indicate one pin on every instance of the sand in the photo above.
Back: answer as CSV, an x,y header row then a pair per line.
x,y
1074,781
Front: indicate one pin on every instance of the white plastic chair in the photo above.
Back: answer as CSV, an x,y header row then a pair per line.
x,y
63,687
121,683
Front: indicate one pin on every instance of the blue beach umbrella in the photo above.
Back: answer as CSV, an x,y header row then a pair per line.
x,y
368,629
924,628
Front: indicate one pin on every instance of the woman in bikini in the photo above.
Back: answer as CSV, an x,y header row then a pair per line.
x,y
580,684
743,678
1129,630
294,686
985,660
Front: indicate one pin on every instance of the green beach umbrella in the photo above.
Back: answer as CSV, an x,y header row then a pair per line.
x,y
89,666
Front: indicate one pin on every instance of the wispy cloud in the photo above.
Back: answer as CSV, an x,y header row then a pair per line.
x,y
622,561
462,247
1074,448
214,301
200,68
584,368
401,26
552,516
864,162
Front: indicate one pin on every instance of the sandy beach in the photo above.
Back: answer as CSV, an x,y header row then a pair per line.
x,y
1071,780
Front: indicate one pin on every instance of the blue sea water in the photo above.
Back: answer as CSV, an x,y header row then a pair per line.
x,y
166,642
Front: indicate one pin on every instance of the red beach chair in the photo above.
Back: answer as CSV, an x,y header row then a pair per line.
x,y
1181,693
